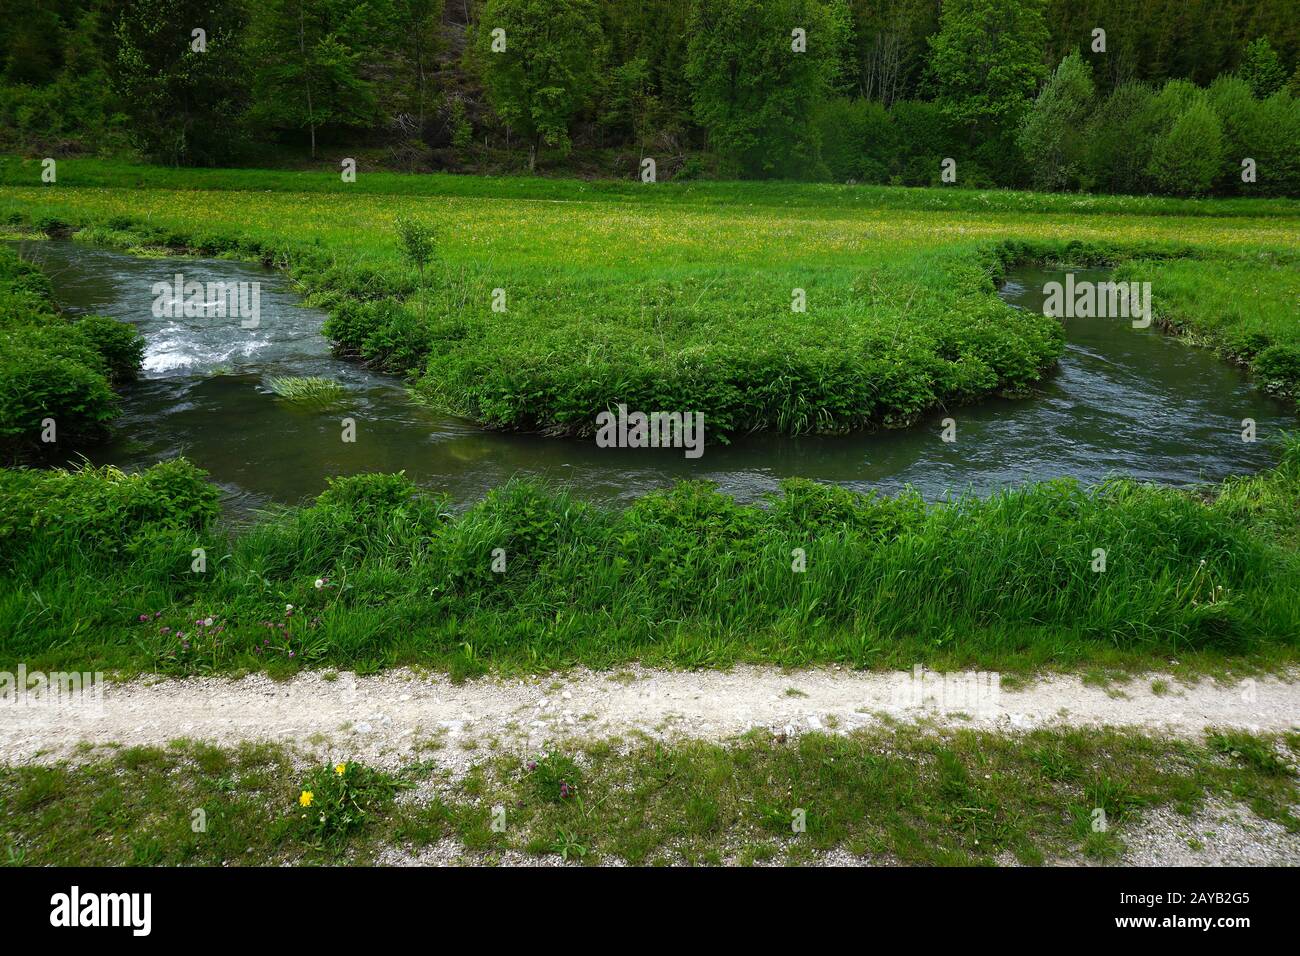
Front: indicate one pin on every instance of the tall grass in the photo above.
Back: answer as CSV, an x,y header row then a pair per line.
x,y
307,392
684,577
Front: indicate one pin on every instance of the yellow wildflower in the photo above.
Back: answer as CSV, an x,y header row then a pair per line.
x,y
340,768
306,798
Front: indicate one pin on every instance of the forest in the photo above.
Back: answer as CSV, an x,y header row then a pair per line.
x,y
1119,96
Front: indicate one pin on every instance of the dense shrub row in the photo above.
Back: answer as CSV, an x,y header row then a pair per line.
x,y
53,370
1180,139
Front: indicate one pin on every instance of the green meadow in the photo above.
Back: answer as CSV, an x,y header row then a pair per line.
x,y
669,296
676,295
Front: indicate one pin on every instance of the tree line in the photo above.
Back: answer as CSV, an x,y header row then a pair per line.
x,y
1118,95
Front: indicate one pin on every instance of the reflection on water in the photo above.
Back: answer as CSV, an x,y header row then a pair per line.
x,y
1124,401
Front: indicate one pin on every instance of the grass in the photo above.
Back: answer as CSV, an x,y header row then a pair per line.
x,y
954,798
308,392
677,298
112,174
100,573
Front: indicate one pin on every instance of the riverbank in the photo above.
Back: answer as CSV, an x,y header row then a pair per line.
x,y
539,313
135,573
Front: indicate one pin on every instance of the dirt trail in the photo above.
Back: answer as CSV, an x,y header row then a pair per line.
x,y
388,717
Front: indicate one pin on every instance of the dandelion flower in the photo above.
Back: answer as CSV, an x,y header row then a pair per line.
x,y
306,798
340,769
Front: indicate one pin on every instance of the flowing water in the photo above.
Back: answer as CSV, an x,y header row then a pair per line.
x,y
1124,401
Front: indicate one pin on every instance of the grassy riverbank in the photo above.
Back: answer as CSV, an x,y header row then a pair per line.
x,y
679,297
963,798
56,376
101,571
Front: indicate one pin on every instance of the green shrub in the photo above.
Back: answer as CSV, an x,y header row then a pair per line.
x,y
58,339
1278,368
103,510
855,139
923,137
118,343
54,369
356,513
36,386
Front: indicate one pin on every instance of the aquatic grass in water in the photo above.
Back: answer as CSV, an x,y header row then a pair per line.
x,y
308,392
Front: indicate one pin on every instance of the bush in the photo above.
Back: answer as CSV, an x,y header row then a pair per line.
x,y
386,334
103,510
1278,368
357,513
36,385
118,343
54,369
367,496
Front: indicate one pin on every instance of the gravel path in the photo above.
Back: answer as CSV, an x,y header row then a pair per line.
x,y
386,718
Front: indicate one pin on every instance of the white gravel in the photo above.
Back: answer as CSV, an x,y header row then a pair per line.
x,y
392,718
384,719
1218,833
